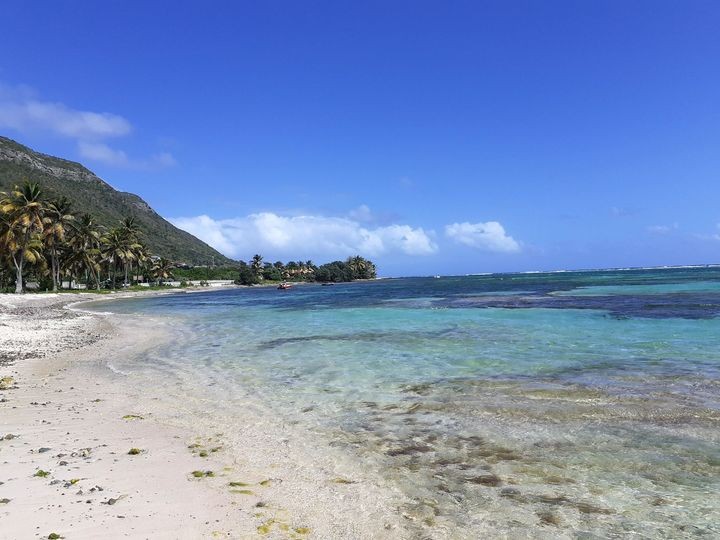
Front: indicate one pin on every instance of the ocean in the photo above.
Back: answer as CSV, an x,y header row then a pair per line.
x,y
577,404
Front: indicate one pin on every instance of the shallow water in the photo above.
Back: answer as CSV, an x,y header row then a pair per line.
x,y
580,404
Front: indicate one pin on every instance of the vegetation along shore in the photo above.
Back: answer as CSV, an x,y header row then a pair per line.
x,y
46,244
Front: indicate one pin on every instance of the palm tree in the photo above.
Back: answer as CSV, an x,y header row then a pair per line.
x,y
361,268
10,248
25,212
356,265
257,265
113,247
131,230
84,246
58,217
161,270
142,256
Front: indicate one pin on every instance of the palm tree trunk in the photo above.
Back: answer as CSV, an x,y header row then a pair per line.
x,y
53,259
19,272
58,269
18,281
90,273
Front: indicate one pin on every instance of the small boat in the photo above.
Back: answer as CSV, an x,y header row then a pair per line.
x,y
284,286
327,284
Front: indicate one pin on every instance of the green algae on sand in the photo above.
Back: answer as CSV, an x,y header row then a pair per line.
x,y
340,480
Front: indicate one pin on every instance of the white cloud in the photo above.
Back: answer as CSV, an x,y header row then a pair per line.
x,y
306,235
22,111
489,236
662,229
101,152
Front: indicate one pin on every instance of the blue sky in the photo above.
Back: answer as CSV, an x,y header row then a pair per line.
x,y
433,137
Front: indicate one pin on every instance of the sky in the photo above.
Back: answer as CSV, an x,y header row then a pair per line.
x,y
440,137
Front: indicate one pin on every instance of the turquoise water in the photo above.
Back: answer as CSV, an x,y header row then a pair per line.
x,y
577,404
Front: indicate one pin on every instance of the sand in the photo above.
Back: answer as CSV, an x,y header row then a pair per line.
x,y
68,425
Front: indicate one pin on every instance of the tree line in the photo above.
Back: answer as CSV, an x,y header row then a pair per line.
x,y
46,240
256,271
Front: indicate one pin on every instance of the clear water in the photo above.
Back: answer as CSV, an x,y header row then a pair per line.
x,y
577,404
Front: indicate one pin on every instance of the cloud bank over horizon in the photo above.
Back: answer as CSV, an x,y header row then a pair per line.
x,y
21,110
324,238
303,236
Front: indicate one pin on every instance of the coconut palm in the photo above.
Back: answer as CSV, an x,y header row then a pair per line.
x,y
25,212
257,265
84,249
142,258
130,227
116,250
9,250
161,270
356,265
57,220
131,231
361,268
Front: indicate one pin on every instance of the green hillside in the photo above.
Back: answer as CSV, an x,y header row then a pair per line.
x,y
90,194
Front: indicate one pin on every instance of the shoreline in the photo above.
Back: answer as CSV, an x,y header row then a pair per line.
x,y
72,428
67,414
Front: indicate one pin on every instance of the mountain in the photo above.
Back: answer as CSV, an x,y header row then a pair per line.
x,y
90,194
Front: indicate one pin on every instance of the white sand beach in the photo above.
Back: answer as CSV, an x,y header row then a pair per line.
x,y
68,425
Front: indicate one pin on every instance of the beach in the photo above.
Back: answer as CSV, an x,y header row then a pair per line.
x,y
69,426
568,405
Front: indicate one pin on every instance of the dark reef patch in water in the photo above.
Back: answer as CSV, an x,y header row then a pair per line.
x,y
518,291
704,305
353,337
